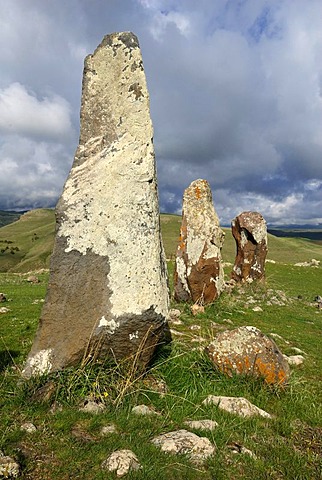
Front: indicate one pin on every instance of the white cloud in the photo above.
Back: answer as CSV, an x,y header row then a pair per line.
x,y
21,112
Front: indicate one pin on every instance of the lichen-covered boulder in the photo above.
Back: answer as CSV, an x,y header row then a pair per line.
x,y
199,274
198,449
107,292
247,351
250,233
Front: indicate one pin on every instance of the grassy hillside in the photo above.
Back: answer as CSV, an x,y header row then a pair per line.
x,y
68,443
27,243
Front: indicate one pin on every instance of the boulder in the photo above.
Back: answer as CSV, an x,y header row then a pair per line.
x,y
250,233
197,448
247,351
107,294
121,462
199,274
236,405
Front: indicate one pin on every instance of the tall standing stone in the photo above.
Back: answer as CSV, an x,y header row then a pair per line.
x,y
199,274
250,233
107,293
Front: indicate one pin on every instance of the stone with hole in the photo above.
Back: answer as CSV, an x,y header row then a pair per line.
x,y
250,233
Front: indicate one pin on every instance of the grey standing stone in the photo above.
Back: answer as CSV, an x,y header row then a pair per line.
x,y
199,274
107,293
250,233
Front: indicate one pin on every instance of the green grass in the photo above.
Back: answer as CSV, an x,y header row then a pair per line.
x,y
68,444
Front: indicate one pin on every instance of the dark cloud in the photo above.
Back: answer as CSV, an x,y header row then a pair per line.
x,y
235,91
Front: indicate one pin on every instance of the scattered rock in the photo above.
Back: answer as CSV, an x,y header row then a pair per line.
x,y
236,405
108,429
195,327
196,309
108,261
121,462
197,448
174,313
257,309
199,274
33,279
312,263
202,424
250,233
269,261
9,468
298,351
246,350
3,297
237,448
4,310
92,406
144,410
28,427
294,360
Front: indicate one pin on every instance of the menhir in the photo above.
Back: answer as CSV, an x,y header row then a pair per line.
x,y
250,233
199,274
107,293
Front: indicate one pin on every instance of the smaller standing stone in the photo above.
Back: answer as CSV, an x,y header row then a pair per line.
x,y
199,274
250,233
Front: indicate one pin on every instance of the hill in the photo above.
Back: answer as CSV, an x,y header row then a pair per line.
x,y
8,217
27,243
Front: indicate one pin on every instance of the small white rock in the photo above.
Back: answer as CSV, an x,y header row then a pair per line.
x,y
236,405
4,310
144,410
294,360
121,462
28,427
107,429
202,424
257,309
9,468
90,406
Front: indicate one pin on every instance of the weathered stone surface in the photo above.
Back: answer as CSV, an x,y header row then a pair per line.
x,y
107,292
121,462
9,468
197,448
201,424
250,233
236,405
199,274
246,350
144,410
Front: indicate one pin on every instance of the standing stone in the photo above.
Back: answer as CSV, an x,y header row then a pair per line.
x,y
250,233
107,293
199,274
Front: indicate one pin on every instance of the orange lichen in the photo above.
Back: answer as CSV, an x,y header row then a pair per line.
x,y
198,192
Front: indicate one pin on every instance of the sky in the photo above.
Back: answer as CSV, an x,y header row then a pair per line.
x,y
235,96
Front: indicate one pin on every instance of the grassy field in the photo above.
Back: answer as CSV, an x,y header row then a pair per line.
x,y
68,443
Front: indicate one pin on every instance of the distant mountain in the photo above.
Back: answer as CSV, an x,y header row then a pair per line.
x,y
314,234
7,217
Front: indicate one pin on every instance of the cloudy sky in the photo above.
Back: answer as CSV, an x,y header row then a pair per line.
x,y
235,90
